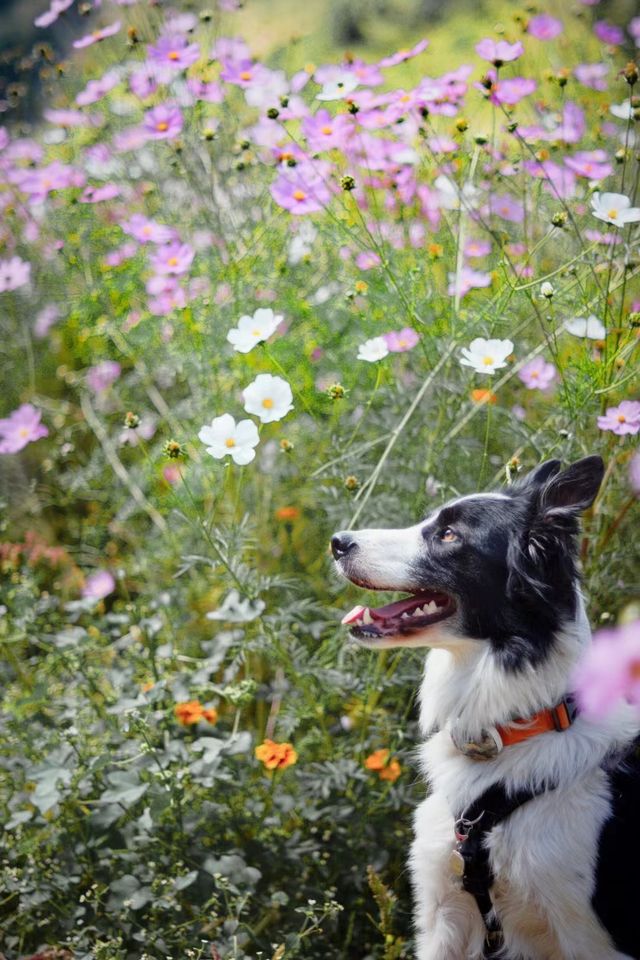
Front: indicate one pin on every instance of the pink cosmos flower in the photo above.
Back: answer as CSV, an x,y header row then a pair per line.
x,y
97,36
367,259
56,176
123,253
144,82
623,419
595,236
100,377
97,194
498,52
537,374
469,280
634,473
210,92
14,273
21,427
45,320
96,89
323,132
634,30
301,190
144,431
174,51
241,73
399,341
51,15
561,182
544,27
608,32
610,670
99,585
148,231
593,75
163,122
72,118
592,164
477,248
174,258
131,138
507,207
507,91
401,56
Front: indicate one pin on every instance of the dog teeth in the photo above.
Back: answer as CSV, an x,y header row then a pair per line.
x,y
406,615
366,616
431,607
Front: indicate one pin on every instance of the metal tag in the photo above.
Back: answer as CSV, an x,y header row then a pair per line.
x,y
456,864
486,748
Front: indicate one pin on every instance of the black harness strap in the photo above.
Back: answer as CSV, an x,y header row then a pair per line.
x,y
474,868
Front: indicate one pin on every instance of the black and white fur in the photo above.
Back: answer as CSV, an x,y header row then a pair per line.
x,y
566,863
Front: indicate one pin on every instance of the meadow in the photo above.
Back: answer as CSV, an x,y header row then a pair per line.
x,y
247,300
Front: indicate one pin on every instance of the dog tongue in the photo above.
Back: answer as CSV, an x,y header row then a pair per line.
x,y
391,610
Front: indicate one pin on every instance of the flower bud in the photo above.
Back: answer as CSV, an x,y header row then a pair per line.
x,y
546,290
336,391
173,450
347,182
559,219
273,113
351,482
131,420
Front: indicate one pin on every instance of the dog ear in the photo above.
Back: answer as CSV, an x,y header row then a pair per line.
x,y
539,475
573,490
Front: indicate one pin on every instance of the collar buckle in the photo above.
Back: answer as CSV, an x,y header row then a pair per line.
x,y
486,747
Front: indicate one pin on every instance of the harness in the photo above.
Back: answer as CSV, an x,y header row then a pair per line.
x,y
470,857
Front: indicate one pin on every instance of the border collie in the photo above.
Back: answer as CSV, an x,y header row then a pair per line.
x,y
494,593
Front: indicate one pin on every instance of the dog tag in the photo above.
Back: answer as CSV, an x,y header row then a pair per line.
x,y
456,863
486,747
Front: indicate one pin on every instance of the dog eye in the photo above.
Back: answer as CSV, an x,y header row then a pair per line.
x,y
447,535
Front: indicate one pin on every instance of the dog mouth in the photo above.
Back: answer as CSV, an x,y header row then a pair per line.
x,y
403,618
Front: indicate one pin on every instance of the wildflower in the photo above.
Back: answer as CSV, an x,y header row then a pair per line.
x,y
351,483
614,208
287,514
399,341
480,395
14,273
21,427
323,132
174,51
610,670
623,419
224,437
347,182
144,230
538,374
336,391
338,88
174,258
467,279
499,52
163,122
507,207
99,585
268,397
592,164
593,75
509,91
367,260
590,327
544,27
623,111
634,473
97,36
486,356
45,320
379,762
254,329
96,89
191,711
131,420
100,377
99,194
51,15
608,32
173,450
372,350
547,290
301,190
286,446
276,756
401,56
391,772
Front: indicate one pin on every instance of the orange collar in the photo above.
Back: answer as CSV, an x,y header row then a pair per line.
x,y
556,718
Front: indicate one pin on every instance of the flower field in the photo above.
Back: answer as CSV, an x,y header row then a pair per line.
x,y
248,301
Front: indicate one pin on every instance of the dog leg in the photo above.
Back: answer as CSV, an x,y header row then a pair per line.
x,y
448,924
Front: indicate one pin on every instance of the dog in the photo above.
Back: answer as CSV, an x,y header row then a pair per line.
x,y
526,847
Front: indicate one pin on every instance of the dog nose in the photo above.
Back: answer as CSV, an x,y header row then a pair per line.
x,y
341,544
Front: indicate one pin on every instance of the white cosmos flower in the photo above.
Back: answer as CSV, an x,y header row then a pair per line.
x,y
341,86
590,327
614,208
450,196
268,397
251,330
224,436
486,356
372,350
623,111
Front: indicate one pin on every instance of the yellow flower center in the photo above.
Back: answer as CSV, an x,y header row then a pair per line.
x,y
172,261
256,333
229,442
173,55
613,214
622,418
534,374
146,231
245,75
23,432
488,361
162,126
267,403
326,130
299,195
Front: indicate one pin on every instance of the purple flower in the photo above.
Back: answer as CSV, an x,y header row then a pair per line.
x,y
72,118
608,32
51,15
173,50
125,252
323,132
593,75
399,341
592,164
403,55
610,670
210,91
99,585
367,259
498,52
544,27
97,35
507,91
163,122
144,82
242,73
477,248
623,419
634,473
97,194
148,231
55,176
96,89
45,320
507,207
469,280
14,273
100,377
174,258
537,374
21,427
634,30
300,190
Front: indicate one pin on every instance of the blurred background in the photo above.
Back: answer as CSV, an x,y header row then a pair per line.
x,y
287,31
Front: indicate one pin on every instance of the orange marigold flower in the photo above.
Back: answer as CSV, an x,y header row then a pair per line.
x,y
210,715
391,772
287,513
377,760
276,756
189,712
483,396
435,250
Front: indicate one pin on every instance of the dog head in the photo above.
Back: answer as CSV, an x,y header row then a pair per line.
x,y
498,568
